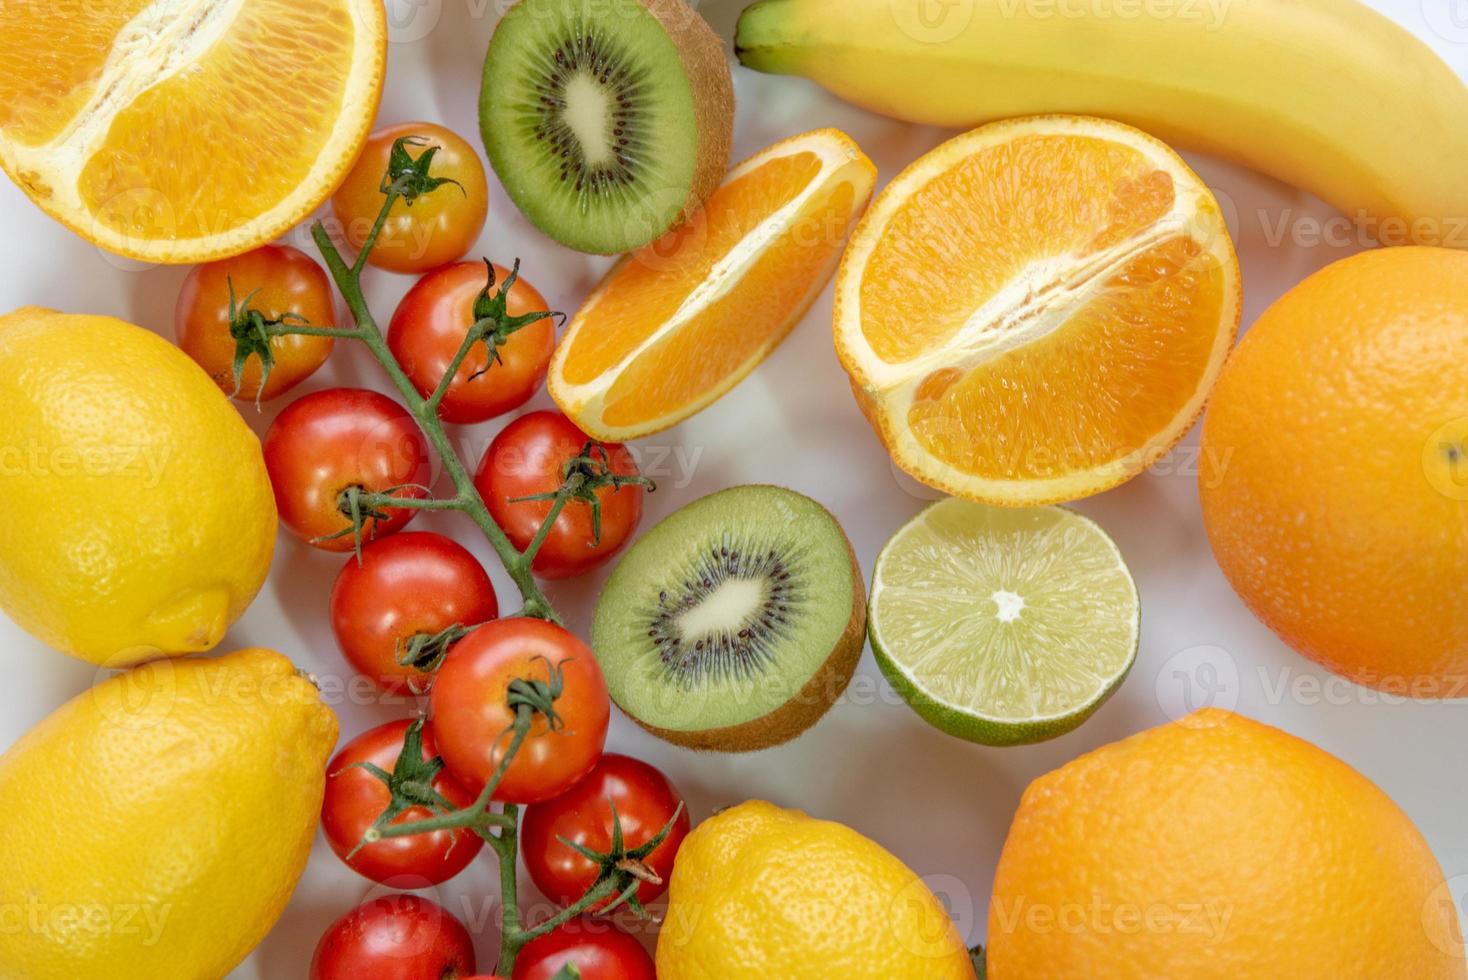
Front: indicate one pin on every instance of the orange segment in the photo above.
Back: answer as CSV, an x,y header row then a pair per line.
x,y
645,292
676,325
51,57
182,130
255,81
1037,309
972,229
736,330
1113,376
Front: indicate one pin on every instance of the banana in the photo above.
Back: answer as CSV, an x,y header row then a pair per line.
x,y
1326,95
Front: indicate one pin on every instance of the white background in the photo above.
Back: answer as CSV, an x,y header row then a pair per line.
x,y
940,804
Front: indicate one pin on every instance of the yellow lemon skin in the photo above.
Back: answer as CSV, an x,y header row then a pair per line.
x,y
760,892
140,520
158,823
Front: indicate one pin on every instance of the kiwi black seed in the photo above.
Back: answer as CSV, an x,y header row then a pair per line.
x,y
735,623
608,121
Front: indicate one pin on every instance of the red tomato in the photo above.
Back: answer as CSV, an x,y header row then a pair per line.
x,y
276,280
645,803
411,584
529,458
396,937
331,441
355,798
440,226
597,948
429,328
472,715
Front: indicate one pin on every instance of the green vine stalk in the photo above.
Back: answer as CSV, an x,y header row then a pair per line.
x,y
622,870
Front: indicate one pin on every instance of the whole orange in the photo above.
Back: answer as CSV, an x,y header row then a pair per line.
x,y
1335,469
1217,847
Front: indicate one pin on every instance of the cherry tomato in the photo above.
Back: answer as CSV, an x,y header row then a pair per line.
x,y
529,458
332,441
408,585
275,280
472,714
440,226
355,798
645,802
597,948
429,328
396,937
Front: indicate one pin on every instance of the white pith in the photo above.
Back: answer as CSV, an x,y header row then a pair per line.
x,y
728,608
161,42
1007,605
1033,304
586,114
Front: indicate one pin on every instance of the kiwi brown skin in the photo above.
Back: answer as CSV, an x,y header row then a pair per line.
x,y
707,68
808,706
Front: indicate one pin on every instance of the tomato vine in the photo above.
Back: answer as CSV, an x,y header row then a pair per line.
x,y
622,869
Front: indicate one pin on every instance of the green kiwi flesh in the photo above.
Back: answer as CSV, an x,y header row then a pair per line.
x,y
607,121
735,623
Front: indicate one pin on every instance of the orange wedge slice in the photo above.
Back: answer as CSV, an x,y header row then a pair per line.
x,y
186,130
674,326
1037,310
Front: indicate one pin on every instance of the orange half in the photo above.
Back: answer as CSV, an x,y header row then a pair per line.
x,y
186,130
1036,311
677,324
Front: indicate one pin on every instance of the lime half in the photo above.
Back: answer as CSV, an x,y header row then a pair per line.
x,y
1003,626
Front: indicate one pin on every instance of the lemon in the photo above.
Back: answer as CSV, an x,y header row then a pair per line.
x,y
157,824
1003,626
760,892
139,516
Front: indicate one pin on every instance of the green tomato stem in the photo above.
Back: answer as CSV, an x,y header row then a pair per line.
x,y
410,178
563,497
467,499
511,947
470,339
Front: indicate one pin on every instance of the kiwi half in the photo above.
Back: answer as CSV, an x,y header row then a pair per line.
x,y
735,623
608,121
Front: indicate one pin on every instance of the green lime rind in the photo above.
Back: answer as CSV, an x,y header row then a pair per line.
x,y
938,636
